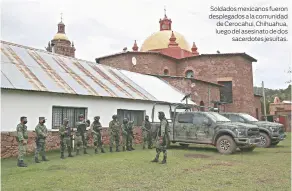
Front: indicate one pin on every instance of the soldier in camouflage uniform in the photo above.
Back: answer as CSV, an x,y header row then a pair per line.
x,y
41,135
161,138
21,138
114,131
96,133
130,136
65,138
146,131
81,137
125,134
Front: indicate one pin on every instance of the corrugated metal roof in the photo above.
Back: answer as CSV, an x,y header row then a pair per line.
x,y
26,68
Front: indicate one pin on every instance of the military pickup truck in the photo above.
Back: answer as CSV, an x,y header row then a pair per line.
x,y
271,133
208,128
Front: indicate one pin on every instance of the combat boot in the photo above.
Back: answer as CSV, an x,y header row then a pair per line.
x,y
21,163
128,148
164,160
149,147
44,158
124,148
62,155
132,148
95,151
117,149
155,160
77,152
69,152
102,150
36,159
111,149
85,151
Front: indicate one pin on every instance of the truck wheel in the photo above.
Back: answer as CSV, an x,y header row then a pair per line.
x,y
225,145
265,140
249,149
184,145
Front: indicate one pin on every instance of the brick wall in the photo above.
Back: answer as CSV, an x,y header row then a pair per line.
x,y
257,105
9,145
235,68
194,86
146,63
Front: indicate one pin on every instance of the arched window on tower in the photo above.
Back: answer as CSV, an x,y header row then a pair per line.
x,y
166,72
190,74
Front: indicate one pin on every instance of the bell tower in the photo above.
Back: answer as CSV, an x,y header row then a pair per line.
x,y
165,23
60,44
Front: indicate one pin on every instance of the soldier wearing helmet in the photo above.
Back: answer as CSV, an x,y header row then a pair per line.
x,y
81,134
96,133
65,138
114,131
125,134
161,138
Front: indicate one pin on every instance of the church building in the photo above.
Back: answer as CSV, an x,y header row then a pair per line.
x,y
208,78
60,44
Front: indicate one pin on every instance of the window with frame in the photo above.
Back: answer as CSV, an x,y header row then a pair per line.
x,y
185,118
132,115
236,118
199,119
226,92
71,113
189,74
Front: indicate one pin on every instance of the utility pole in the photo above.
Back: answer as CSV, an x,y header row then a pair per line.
x,y
264,96
209,95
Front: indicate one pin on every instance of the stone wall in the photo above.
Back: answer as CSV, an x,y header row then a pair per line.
x,y
9,146
199,90
225,68
146,63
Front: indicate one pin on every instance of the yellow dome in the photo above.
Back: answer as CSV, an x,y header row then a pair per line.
x,y
60,36
160,40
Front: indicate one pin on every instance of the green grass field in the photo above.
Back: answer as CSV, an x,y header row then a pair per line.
x,y
195,168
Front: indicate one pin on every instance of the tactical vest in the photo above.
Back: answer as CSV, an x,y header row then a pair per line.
x,y
81,128
96,126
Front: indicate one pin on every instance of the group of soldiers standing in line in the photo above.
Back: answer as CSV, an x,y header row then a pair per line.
x,y
82,136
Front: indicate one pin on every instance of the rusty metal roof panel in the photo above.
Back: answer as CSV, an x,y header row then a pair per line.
x,y
104,84
32,69
16,78
73,84
160,89
133,84
119,84
5,83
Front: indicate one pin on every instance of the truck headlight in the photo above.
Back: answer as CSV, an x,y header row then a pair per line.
x,y
240,132
274,129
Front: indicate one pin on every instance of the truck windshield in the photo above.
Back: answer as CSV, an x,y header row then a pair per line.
x,y
217,117
248,117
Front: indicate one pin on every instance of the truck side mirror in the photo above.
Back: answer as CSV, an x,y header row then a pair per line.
x,y
207,122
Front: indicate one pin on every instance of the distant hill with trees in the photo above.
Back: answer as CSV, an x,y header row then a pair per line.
x,y
283,94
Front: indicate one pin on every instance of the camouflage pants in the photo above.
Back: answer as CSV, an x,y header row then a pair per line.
x,y
65,142
161,147
40,148
85,140
97,140
130,141
78,142
21,150
147,139
115,137
124,140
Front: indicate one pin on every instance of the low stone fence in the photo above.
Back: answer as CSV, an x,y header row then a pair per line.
x,y
9,145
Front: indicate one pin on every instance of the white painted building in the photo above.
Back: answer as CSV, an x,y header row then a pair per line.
x,y
37,83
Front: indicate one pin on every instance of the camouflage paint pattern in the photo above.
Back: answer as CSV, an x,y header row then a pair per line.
x,y
41,133
114,131
22,135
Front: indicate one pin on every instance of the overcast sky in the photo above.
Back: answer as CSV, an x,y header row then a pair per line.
x,y
105,27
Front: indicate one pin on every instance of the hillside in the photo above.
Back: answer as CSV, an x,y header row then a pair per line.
x,y
283,94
